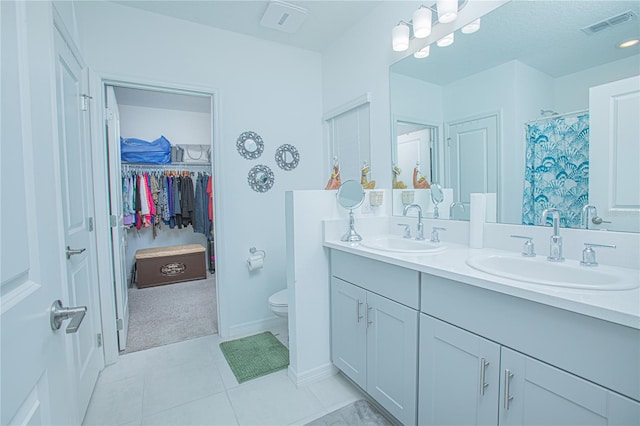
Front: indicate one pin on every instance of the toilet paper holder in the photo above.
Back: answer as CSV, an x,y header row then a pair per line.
x,y
262,253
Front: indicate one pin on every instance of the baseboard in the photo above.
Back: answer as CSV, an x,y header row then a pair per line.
x,y
313,375
254,327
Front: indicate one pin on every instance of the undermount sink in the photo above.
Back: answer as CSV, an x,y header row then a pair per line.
x,y
569,274
402,245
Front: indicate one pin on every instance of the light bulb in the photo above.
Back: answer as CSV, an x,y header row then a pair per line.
x,y
422,53
472,27
422,22
445,41
629,43
400,37
447,10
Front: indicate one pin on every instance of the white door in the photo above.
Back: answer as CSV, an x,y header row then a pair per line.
x,y
34,381
614,154
414,147
471,157
77,214
118,233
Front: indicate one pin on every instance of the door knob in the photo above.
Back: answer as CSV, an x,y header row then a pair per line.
x,y
71,252
59,314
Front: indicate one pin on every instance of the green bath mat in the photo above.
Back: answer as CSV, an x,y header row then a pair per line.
x,y
255,356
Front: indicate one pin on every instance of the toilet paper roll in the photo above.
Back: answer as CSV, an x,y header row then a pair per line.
x,y
255,262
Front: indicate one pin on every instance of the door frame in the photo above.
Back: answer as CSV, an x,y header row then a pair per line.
x,y
446,153
102,180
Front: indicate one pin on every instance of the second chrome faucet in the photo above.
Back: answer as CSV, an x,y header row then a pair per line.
x,y
555,242
420,230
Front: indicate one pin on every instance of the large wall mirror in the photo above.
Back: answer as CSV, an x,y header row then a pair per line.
x,y
528,70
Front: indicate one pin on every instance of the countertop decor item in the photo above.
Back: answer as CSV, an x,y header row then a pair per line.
x,y
250,145
260,178
287,157
366,184
334,181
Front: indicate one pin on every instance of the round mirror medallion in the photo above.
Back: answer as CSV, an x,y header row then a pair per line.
x,y
260,178
250,145
287,157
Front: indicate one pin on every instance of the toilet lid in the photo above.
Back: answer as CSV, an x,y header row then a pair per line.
x,y
279,298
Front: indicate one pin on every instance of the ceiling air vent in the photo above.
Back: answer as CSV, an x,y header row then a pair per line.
x,y
609,22
283,16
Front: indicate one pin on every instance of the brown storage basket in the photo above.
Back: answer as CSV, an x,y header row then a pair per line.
x,y
167,265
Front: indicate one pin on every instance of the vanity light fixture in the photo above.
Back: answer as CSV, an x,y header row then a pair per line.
x,y
447,10
445,41
629,43
422,53
400,37
471,28
422,22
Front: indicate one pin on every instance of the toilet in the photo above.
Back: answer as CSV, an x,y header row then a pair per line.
x,y
279,304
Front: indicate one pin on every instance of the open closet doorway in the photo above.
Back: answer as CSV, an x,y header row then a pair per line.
x,y
161,211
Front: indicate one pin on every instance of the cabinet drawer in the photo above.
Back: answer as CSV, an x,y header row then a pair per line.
x,y
390,281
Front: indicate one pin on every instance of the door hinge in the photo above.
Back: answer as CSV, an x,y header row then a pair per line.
x,y
84,102
99,339
108,114
120,324
90,224
113,221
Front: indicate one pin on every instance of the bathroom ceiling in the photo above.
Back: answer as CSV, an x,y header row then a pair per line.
x,y
325,21
546,35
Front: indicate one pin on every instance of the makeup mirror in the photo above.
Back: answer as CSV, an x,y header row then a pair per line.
x,y
350,196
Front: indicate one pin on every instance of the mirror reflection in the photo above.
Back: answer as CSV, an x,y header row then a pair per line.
x,y
531,65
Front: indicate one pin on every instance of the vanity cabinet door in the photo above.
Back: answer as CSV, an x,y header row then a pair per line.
x,y
534,393
348,330
459,376
392,347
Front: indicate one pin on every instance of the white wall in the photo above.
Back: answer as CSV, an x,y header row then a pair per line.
x,y
178,126
264,87
572,91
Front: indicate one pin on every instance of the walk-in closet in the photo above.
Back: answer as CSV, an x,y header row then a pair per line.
x,y
161,180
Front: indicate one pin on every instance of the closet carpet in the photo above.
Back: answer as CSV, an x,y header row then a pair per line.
x,y
171,313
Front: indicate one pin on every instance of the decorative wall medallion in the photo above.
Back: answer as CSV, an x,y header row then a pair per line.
x,y
260,178
173,269
250,145
287,157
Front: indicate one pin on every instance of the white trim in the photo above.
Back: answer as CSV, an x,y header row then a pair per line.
x,y
311,376
101,189
353,104
253,327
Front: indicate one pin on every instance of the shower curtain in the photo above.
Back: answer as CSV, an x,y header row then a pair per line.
x,y
557,168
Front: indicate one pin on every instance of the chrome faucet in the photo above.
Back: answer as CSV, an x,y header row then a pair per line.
x,y
555,242
419,230
452,206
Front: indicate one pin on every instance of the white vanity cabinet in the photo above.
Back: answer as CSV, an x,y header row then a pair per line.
x,y
374,330
490,358
459,376
467,379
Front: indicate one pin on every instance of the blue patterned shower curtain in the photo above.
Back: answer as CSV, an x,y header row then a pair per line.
x,y
557,169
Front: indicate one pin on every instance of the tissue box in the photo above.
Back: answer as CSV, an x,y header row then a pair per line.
x,y
172,264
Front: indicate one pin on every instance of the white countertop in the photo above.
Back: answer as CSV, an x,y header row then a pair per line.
x,y
616,306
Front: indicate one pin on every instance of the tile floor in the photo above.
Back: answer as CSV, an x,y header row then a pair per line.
x,y
190,383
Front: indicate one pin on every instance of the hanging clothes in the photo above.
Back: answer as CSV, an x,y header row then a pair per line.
x,y
187,200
